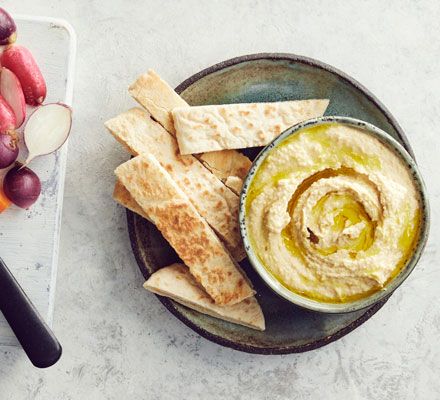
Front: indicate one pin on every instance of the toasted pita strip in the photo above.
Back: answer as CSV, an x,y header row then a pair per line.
x,y
123,197
215,202
159,99
235,184
176,282
226,163
237,126
188,233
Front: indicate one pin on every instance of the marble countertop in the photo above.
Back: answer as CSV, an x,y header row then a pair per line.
x,y
119,341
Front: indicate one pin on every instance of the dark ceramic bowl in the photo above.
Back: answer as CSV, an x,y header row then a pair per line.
x,y
259,78
375,297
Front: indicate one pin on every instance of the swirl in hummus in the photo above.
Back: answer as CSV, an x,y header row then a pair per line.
x,y
333,213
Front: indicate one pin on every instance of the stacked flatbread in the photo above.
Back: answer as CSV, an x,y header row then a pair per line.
x,y
193,199
175,281
159,99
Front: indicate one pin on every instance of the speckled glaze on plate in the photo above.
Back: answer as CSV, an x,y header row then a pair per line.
x,y
259,78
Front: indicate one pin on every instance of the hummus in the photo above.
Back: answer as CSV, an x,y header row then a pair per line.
x,y
333,213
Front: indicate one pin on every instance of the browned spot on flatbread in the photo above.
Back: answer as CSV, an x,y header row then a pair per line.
x,y
269,109
261,134
276,129
217,276
228,297
186,160
185,232
242,171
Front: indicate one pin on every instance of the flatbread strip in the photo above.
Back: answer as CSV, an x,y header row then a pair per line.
x,y
188,233
235,184
176,282
159,99
214,202
237,126
123,197
226,163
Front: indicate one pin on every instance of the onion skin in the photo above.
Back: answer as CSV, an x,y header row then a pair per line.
x,y
8,149
21,62
7,116
8,29
22,186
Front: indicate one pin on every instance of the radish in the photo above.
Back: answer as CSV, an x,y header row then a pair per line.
x,y
21,62
7,117
10,89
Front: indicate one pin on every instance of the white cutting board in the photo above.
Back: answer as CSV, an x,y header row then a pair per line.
x,y
29,239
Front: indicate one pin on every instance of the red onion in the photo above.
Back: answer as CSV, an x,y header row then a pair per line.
x,y
22,186
8,150
8,29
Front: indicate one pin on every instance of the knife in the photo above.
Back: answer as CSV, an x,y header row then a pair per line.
x,y
34,335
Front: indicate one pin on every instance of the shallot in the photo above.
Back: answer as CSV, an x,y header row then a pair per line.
x,y
8,149
47,129
8,29
22,186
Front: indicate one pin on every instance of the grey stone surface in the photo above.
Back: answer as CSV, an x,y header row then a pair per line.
x,y
119,342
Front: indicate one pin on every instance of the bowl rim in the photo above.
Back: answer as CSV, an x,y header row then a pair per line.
x,y
356,305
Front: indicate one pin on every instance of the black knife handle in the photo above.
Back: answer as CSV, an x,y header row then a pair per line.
x,y
36,338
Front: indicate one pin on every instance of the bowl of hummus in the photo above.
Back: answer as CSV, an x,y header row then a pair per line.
x,y
334,214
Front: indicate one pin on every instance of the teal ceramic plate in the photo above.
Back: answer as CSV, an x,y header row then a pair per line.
x,y
259,78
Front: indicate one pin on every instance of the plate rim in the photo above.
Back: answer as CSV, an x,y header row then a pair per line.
x,y
169,304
